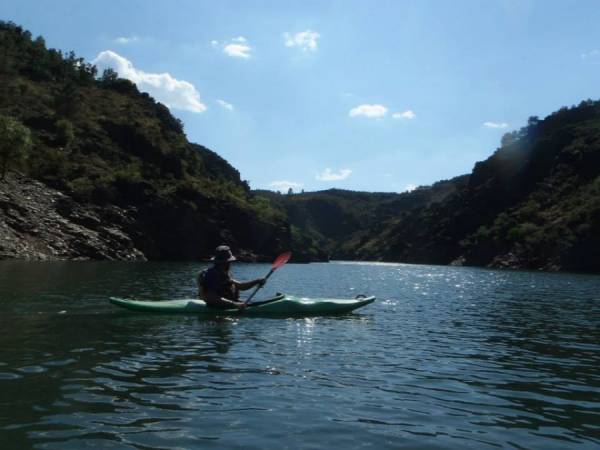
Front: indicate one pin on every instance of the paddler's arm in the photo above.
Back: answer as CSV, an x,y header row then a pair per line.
x,y
244,286
212,298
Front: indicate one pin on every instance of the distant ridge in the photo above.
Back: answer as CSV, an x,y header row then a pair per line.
x,y
533,204
111,175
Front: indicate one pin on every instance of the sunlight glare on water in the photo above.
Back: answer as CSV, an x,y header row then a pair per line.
x,y
446,358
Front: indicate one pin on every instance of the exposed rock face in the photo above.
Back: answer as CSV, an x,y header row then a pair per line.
x,y
41,223
134,186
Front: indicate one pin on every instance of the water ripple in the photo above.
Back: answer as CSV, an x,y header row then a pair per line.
x,y
448,358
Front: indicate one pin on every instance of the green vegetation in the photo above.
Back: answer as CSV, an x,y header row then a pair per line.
x,y
15,143
102,142
338,219
533,204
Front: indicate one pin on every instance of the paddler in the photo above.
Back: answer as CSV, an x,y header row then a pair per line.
x,y
217,287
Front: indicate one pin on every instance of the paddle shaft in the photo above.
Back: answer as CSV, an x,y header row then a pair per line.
x,y
280,261
259,286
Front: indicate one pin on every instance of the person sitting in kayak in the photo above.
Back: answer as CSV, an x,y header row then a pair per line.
x,y
216,285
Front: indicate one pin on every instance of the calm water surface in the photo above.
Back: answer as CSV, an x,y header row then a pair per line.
x,y
447,358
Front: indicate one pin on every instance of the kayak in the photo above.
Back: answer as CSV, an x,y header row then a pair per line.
x,y
280,305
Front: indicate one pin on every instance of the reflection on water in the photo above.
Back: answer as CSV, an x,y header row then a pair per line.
x,y
447,358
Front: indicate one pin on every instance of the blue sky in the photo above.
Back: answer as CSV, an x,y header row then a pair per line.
x,y
376,96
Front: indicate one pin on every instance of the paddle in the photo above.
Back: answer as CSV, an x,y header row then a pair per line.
x,y
280,261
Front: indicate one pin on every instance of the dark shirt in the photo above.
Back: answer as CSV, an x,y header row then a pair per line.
x,y
219,282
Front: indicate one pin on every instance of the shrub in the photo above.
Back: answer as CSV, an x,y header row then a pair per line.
x,y
522,231
15,143
66,132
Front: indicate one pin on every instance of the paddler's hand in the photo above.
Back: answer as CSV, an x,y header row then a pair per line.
x,y
242,306
261,282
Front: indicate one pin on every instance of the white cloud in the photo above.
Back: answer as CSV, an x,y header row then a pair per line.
x,y
237,47
225,104
591,54
495,124
408,114
174,93
330,175
284,185
410,187
126,39
305,40
371,111
238,50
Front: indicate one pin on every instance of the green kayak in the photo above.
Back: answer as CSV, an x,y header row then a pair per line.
x,y
281,305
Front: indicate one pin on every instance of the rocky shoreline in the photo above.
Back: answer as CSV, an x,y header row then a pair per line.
x,y
41,223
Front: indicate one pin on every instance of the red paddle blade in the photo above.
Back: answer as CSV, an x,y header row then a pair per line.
x,y
281,260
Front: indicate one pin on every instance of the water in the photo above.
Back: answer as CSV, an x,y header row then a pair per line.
x,y
447,358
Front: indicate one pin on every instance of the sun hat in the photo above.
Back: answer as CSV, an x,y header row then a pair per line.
x,y
223,254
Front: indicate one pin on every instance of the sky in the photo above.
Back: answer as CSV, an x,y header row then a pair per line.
x,y
362,95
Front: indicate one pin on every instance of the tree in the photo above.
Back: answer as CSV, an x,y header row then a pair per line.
x,y
15,143
66,132
109,76
509,138
533,121
68,100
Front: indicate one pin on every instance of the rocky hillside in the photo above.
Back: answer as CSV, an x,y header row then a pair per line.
x,y
41,223
336,219
534,204
107,148
109,173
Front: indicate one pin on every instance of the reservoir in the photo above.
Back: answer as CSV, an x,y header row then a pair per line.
x,y
446,358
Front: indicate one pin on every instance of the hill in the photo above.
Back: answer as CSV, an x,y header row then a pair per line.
x,y
92,168
534,204
336,218
103,144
